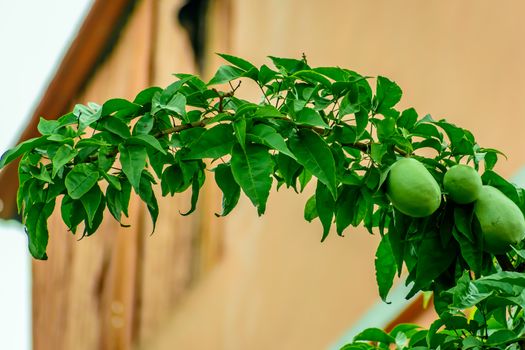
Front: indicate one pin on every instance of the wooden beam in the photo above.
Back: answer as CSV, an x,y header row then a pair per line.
x,y
87,49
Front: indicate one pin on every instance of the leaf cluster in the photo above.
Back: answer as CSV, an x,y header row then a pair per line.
x,y
329,126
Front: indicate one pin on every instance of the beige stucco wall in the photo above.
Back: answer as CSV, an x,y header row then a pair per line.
x,y
277,287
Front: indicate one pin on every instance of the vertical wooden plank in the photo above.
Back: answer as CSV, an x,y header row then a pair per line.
x,y
84,295
166,257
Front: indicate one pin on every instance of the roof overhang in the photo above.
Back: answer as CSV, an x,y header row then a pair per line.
x,y
89,48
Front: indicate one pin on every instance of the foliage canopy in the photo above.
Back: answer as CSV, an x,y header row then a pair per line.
x,y
327,125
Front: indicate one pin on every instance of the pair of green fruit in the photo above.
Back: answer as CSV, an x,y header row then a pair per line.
x,y
414,192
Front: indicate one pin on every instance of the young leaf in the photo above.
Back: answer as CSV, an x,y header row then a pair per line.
x,y
252,169
313,153
230,189
48,127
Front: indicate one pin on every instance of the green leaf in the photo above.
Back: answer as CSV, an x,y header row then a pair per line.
x,y
115,126
87,115
117,105
213,143
81,179
346,208
266,135
63,155
310,209
433,259
325,205
266,75
90,201
48,127
239,127
146,140
311,76
144,125
20,149
92,227
407,119
148,196
288,169
308,116
397,231
145,96
133,161
225,74
237,61
177,105
230,189
375,335
388,93
73,212
196,184
385,265
502,337
114,203
361,122
470,251
268,111
334,73
314,154
289,65
252,169
36,227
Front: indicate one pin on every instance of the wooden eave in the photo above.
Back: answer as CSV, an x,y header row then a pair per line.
x,y
90,46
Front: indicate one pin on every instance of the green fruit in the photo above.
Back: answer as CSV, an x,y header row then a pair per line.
x,y
412,189
462,183
500,219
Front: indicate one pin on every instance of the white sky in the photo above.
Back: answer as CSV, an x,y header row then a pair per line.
x,y
34,34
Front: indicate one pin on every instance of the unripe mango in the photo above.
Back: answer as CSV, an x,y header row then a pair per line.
x,y
412,189
500,219
462,183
